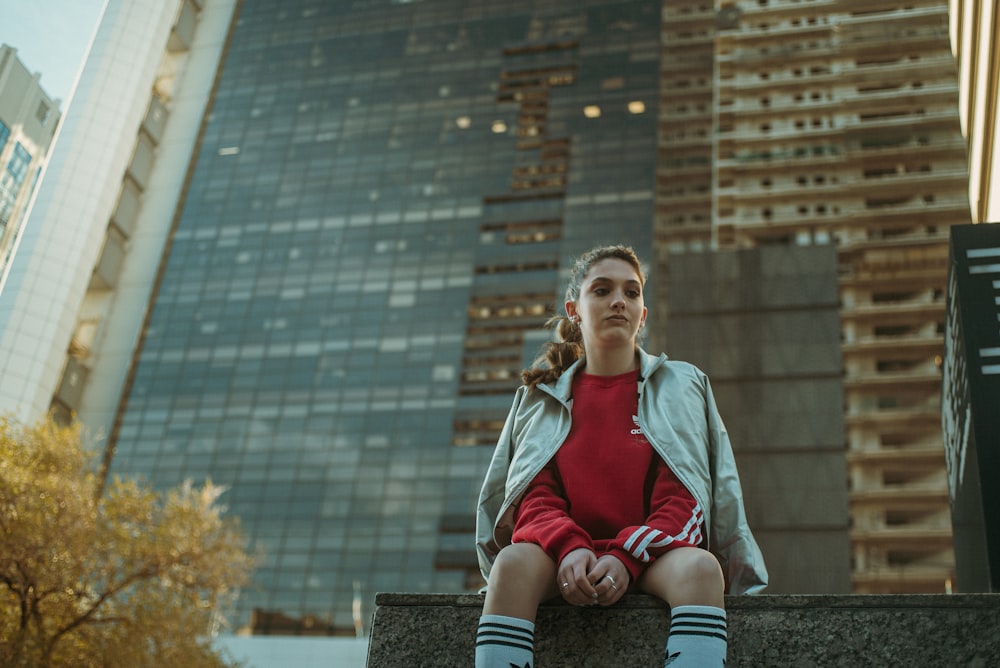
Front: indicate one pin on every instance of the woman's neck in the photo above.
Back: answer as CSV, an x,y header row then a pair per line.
x,y
611,362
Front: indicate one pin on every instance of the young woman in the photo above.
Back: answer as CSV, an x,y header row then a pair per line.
x,y
613,473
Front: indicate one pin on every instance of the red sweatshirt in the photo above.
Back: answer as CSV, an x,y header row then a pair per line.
x,y
606,489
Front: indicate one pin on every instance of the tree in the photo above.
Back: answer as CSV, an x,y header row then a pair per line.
x,y
129,577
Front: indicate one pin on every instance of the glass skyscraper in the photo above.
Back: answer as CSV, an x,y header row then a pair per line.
x,y
369,241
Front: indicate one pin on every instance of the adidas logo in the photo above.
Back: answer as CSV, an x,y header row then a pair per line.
x,y
638,430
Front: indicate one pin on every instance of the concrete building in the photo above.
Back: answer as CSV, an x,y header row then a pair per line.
x,y
309,246
78,291
28,122
765,321
798,123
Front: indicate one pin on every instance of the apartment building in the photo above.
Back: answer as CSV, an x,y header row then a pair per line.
x,y
836,122
28,122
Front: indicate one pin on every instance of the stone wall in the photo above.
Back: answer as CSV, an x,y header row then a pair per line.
x,y
415,630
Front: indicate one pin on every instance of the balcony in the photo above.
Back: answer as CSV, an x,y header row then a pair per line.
x,y
903,345
887,311
922,539
931,379
903,579
884,418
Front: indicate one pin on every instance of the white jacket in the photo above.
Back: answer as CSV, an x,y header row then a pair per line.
x,y
677,414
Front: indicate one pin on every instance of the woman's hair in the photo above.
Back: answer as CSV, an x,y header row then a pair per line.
x,y
559,355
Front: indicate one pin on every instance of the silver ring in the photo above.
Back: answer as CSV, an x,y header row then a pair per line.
x,y
565,585
614,587
612,581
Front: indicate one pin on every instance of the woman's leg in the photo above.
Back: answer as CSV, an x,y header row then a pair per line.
x,y
690,580
522,577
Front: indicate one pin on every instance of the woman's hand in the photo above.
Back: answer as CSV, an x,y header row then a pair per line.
x,y
573,577
583,579
610,579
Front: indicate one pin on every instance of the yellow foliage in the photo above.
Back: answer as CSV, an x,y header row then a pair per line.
x,y
131,578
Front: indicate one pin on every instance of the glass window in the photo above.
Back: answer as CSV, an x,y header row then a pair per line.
x,y
17,167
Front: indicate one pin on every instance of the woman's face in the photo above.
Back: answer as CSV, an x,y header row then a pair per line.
x,y
610,307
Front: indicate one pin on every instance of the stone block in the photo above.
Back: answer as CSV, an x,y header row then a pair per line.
x,y
415,630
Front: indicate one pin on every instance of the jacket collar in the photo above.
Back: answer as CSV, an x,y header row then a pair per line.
x,y
562,389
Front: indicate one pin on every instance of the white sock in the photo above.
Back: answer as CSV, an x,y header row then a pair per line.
x,y
697,637
503,642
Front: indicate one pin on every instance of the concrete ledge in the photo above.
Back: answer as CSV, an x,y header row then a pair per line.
x,y
414,630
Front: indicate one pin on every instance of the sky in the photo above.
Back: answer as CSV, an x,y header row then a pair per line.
x,y
51,37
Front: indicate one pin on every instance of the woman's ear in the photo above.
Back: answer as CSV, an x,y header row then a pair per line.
x,y
570,309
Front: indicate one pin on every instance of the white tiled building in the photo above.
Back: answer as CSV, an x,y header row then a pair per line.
x,y
85,266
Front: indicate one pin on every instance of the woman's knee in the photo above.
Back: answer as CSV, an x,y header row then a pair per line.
x,y
522,576
524,562
685,576
702,566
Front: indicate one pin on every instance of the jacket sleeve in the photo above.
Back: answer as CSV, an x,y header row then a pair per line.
x,y
493,491
675,520
730,538
543,518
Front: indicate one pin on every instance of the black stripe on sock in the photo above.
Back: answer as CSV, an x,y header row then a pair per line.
x,y
509,627
698,615
710,634
525,646
506,627
505,631
698,625
500,634
688,620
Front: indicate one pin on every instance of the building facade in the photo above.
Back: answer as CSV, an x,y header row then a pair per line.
x,y
971,392
28,122
799,123
766,323
975,40
78,288
316,242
